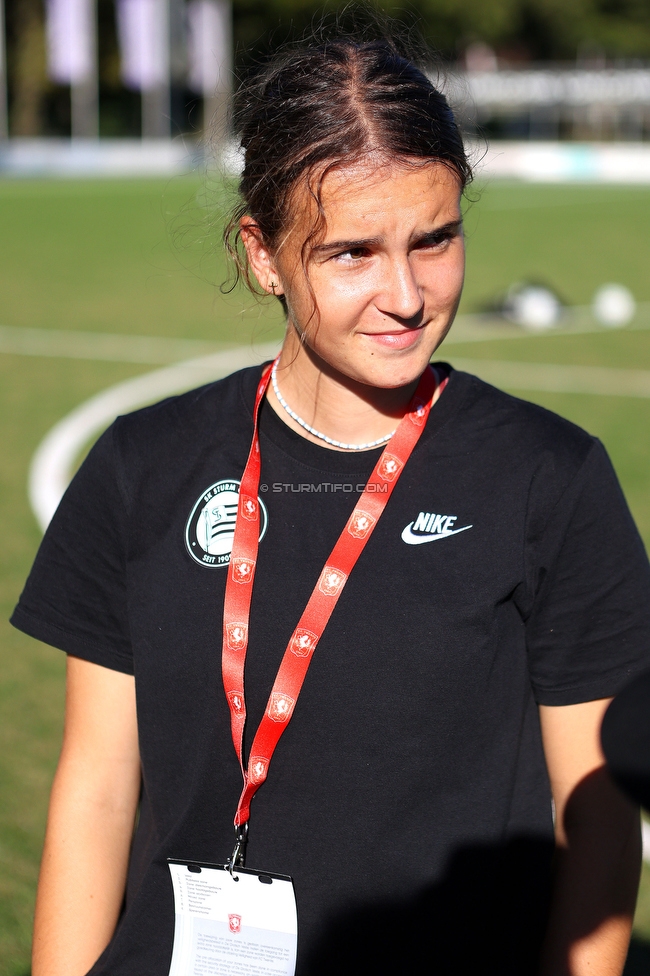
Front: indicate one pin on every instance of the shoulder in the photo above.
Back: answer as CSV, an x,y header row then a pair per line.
x,y
222,402
153,446
529,455
515,428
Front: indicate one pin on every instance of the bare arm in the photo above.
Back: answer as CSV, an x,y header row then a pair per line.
x,y
90,822
598,849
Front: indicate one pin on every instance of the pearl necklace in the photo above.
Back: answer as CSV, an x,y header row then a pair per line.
x,y
316,433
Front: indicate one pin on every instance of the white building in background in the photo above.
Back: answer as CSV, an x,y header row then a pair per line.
x,y
553,101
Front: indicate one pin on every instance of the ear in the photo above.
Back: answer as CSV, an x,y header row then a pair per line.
x,y
260,257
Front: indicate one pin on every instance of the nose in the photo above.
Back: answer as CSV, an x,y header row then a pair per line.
x,y
401,296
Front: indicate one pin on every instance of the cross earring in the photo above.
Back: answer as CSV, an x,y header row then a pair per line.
x,y
273,287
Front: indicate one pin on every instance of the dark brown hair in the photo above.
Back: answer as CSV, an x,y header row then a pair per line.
x,y
322,105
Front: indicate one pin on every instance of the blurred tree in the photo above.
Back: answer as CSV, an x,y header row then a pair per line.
x,y
119,107
531,30
451,24
557,29
26,77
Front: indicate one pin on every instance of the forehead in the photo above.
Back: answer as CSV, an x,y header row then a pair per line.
x,y
367,196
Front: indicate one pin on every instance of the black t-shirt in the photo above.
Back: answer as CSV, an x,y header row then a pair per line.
x,y
409,797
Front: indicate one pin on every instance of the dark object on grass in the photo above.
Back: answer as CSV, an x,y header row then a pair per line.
x,y
626,739
638,958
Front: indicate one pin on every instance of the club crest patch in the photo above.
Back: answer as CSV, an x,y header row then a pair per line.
x,y
236,701
418,413
303,642
210,528
236,636
280,707
360,524
331,580
257,769
389,467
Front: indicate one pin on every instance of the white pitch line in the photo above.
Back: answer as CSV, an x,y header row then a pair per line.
x,y
73,344
575,320
551,378
52,463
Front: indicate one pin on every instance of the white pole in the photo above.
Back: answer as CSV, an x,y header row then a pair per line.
x,y
143,27
217,109
84,93
72,59
156,100
210,61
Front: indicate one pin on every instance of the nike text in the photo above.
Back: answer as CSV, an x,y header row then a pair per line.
x,y
429,526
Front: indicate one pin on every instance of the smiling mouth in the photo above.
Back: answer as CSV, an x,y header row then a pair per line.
x,y
401,339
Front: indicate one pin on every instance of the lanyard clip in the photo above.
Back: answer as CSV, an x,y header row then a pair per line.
x,y
238,856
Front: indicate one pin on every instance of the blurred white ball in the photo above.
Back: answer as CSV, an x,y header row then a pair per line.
x,y
614,306
533,307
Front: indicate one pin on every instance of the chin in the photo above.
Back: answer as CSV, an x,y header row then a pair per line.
x,y
398,372
389,378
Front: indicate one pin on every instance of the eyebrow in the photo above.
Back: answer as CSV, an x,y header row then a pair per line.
x,y
348,245
453,225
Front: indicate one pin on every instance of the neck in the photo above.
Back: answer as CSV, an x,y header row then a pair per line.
x,y
342,409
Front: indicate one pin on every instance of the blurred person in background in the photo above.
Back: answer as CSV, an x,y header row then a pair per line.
x,y
462,609
626,739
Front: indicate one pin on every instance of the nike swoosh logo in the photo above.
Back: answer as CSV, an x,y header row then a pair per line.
x,y
416,540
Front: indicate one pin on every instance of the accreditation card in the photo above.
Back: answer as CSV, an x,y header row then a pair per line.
x,y
239,924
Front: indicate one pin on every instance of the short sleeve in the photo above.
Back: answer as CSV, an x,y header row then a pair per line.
x,y
588,630
75,595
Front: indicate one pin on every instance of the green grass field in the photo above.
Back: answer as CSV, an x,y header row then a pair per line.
x,y
143,257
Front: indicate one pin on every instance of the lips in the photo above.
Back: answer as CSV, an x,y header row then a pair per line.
x,y
395,340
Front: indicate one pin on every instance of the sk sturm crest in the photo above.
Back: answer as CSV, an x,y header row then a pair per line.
x,y
210,528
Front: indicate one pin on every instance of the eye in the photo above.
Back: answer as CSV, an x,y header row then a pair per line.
x,y
437,240
353,254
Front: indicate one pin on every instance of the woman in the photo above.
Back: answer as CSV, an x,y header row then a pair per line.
x,y
487,596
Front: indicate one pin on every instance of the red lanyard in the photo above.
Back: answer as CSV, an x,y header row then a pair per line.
x,y
241,572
